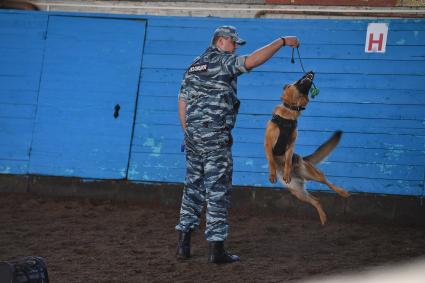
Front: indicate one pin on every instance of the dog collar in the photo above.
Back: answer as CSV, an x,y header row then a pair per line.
x,y
295,108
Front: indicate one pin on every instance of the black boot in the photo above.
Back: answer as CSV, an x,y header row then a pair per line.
x,y
217,254
183,247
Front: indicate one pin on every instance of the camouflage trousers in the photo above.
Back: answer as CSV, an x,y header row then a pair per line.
x,y
208,179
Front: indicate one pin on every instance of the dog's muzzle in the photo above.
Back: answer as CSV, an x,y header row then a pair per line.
x,y
304,84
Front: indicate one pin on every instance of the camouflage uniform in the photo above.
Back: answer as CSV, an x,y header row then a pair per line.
x,y
209,89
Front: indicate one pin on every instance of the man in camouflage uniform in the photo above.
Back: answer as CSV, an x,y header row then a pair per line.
x,y
208,106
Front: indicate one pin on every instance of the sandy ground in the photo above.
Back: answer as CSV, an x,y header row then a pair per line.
x,y
102,241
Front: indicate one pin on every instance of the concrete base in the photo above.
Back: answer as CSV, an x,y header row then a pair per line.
x,y
14,183
365,208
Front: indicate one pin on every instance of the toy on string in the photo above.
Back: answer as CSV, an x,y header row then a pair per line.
x,y
314,91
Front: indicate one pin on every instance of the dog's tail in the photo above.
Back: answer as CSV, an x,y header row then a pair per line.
x,y
325,149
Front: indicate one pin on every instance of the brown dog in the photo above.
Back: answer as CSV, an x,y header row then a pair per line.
x,y
280,136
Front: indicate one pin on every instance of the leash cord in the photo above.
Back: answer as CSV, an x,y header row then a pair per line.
x,y
301,62
299,57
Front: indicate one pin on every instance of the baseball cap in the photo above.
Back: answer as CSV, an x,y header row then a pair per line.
x,y
229,31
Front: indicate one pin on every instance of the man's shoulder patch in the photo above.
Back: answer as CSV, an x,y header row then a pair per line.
x,y
197,68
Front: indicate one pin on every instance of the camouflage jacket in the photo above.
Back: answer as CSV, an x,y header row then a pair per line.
x,y
209,88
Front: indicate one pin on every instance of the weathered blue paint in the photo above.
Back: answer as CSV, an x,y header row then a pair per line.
x,y
21,49
92,62
91,65
378,103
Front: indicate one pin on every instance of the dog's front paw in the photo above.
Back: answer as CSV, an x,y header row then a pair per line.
x,y
287,178
272,178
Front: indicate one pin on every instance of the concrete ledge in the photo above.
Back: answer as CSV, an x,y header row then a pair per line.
x,y
230,9
13,183
365,208
115,190
367,3
361,207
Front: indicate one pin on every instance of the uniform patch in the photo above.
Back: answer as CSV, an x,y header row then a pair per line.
x,y
198,68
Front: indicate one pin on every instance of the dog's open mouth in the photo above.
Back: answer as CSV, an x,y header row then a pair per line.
x,y
304,84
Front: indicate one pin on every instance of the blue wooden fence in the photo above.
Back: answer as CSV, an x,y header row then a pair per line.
x,y
21,59
63,74
91,66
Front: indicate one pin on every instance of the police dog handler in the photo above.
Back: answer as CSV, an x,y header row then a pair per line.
x,y
207,108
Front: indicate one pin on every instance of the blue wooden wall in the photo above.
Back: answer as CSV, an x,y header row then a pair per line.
x,y
22,40
91,65
378,100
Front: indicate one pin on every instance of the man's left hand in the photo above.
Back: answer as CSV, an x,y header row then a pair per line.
x,y
291,41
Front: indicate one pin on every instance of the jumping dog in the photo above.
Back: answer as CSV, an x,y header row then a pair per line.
x,y
280,135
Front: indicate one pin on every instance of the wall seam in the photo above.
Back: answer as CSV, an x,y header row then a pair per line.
x,y
137,100
38,94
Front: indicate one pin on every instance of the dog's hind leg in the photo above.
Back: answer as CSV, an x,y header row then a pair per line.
x,y
310,172
296,187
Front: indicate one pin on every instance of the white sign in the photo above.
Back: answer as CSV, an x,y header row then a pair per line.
x,y
376,38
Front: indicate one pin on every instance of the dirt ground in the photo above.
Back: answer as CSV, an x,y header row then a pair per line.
x,y
102,241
